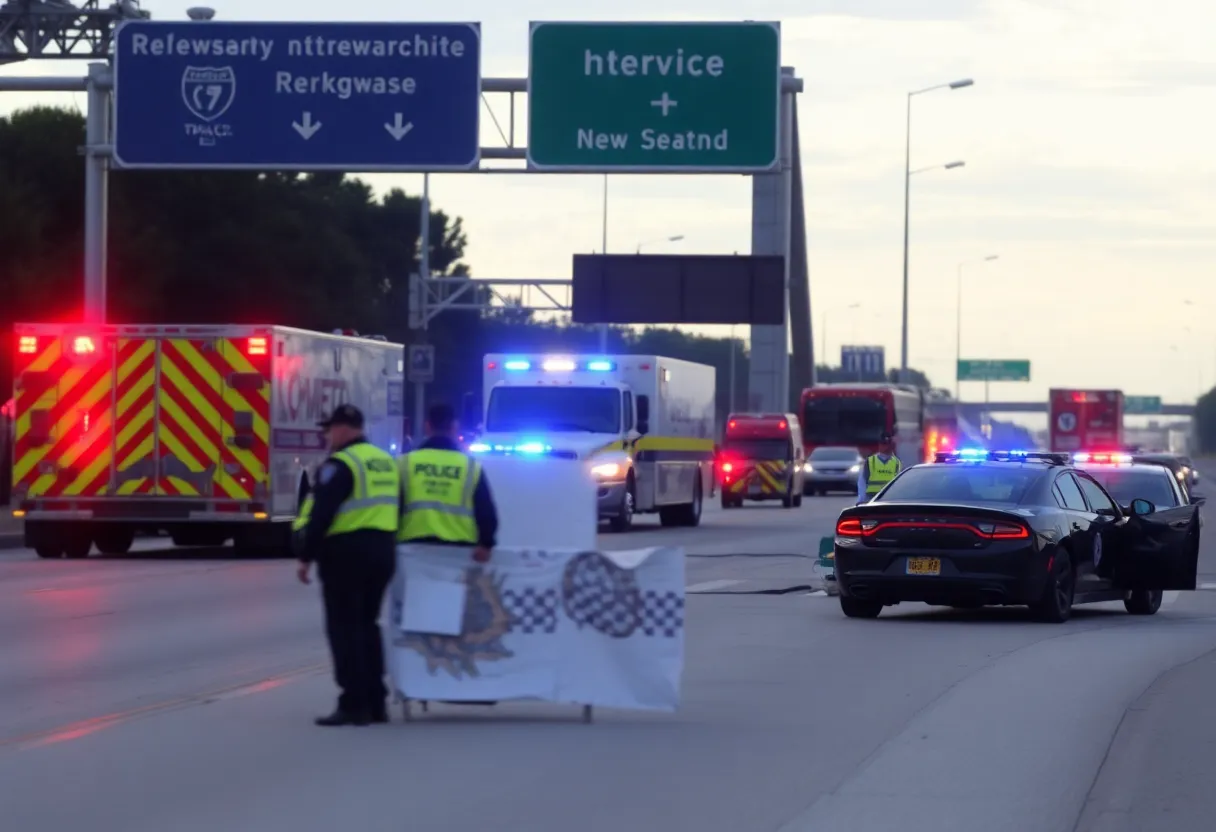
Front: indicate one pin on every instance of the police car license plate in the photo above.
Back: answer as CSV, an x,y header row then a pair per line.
x,y
924,566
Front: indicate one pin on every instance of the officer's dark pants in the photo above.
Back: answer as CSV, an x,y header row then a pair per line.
x,y
353,586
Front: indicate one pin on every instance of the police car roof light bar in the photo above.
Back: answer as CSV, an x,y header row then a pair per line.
x,y
982,455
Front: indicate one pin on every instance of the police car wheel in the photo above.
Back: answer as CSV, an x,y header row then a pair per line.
x,y
1143,601
1055,605
859,608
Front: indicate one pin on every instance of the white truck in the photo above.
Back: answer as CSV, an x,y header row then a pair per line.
x,y
646,425
205,432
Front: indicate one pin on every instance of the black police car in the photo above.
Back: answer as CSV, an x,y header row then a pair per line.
x,y
1011,528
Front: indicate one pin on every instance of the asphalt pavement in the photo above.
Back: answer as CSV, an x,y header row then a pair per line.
x,y
175,690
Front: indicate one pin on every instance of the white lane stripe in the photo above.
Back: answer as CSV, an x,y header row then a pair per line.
x,y
1208,586
710,586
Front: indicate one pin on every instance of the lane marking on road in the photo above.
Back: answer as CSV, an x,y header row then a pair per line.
x,y
1208,586
87,727
710,586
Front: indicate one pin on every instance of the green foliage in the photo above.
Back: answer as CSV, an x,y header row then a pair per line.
x,y
318,251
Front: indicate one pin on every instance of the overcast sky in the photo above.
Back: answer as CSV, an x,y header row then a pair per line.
x,y
1088,140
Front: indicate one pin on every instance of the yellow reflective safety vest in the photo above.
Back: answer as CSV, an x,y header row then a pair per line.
x,y
439,488
374,502
880,473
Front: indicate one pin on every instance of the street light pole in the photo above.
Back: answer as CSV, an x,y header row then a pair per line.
x,y
604,250
958,328
953,85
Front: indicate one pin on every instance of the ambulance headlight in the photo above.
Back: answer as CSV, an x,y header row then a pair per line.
x,y
856,469
608,470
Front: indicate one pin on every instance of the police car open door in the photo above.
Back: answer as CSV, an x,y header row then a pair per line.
x,y
1161,550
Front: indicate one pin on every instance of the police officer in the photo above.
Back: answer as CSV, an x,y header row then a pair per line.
x,y
348,527
880,469
447,498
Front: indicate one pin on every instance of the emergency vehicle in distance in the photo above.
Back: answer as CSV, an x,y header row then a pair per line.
x,y
1089,420
645,423
762,459
208,433
859,415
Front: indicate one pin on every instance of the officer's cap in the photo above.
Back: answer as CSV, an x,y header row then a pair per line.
x,y
344,414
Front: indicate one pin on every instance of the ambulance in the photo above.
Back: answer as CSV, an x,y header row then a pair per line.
x,y
644,423
762,459
204,433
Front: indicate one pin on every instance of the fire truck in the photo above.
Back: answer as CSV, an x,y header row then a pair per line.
x,y
762,459
204,433
1090,420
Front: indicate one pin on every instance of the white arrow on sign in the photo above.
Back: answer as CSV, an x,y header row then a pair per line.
x,y
308,128
398,130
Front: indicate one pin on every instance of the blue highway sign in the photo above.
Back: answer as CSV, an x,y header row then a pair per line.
x,y
297,96
863,361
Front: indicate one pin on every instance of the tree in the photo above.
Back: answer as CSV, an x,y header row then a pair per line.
x,y
318,251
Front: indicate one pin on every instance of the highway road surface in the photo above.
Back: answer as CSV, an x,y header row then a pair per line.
x,y
176,691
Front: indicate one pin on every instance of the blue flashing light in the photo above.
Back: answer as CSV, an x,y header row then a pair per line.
x,y
526,448
516,366
601,366
532,448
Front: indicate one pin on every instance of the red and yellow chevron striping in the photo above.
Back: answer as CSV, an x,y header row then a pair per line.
x,y
142,415
135,417
213,435
64,406
769,474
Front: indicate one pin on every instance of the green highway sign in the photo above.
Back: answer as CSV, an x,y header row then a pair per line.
x,y
993,370
654,97
1142,405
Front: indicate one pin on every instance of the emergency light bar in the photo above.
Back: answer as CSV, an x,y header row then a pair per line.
x,y
524,448
983,455
560,365
1105,458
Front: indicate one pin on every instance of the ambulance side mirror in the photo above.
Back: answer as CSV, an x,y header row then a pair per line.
x,y
643,415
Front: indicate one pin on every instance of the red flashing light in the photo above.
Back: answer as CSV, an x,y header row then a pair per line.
x,y
493,365
727,467
83,345
257,345
782,424
732,424
27,345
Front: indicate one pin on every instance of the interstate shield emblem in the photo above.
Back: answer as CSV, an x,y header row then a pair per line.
x,y
208,91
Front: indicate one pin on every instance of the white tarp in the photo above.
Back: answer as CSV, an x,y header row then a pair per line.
x,y
583,627
543,502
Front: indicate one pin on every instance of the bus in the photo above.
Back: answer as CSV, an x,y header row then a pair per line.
x,y
1086,420
859,415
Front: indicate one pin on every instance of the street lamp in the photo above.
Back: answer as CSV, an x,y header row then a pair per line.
x,y
674,239
958,331
953,85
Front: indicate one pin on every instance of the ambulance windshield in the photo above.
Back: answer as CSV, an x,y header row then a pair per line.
x,y
554,409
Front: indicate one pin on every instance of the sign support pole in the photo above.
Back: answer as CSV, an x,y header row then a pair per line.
x,y
96,191
424,263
